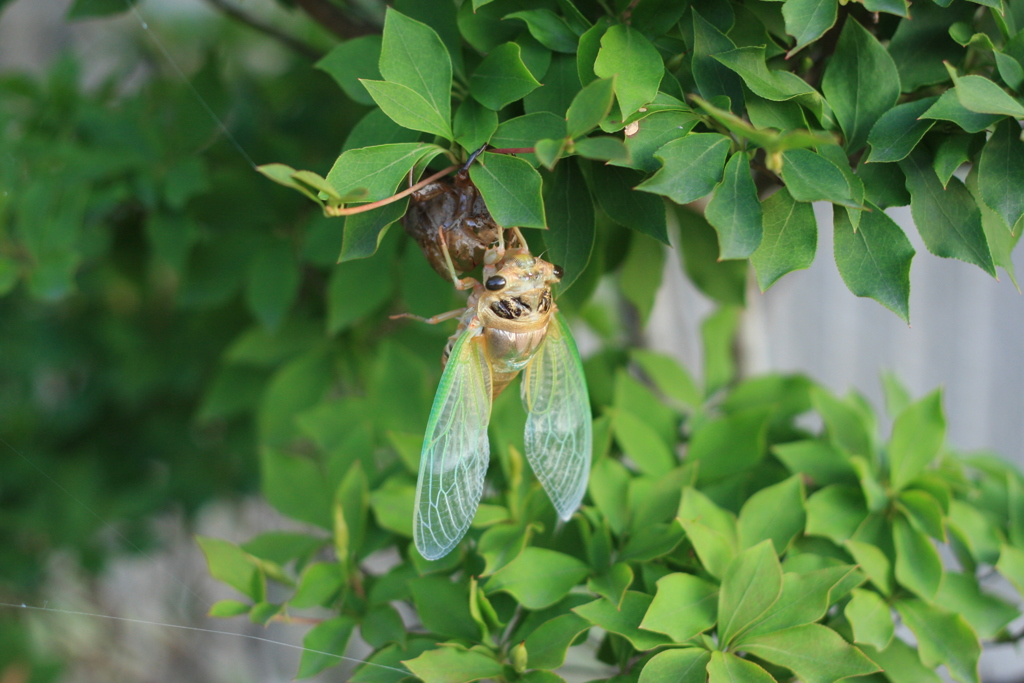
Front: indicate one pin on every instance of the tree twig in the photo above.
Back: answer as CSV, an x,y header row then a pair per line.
x,y
236,13
342,211
336,20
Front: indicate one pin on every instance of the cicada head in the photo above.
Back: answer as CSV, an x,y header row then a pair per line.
x,y
519,291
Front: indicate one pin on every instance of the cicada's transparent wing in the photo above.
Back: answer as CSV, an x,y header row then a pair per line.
x,y
558,422
455,450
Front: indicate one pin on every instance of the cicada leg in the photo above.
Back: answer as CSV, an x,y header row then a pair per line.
x,y
433,320
460,284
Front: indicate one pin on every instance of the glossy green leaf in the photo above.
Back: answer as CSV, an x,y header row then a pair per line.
x,y
683,665
380,169
413,56
711,530
319,583
613,188
683,607
871,619
918,565
874,261
523,132
538,578
669,376
407,108
232,565
590,106
351,60
511,188
751,585
548,28
547,645
942,638
691,167
602,148
228,608
874,563
453,665
443,607
624,620
356,289
917,435
902,659
727,445
474,124
502,78
948,219
835,512
324,645
723,281
640,278
571,227
652,134
948,108
612,584
952,152
805,598
561,85
807,20
734,210
771,84
815,459
725,667
810,177
860,83
713,78
1011,565
633,63
273,284
976,530
813,652
775,512
980,95
898,131
987,614
1001,173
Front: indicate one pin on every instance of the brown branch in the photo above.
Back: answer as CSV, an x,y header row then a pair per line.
x,y
342,211
336,20
513,150
307,51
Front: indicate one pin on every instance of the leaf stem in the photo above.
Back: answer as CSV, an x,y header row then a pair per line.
x,y
343,211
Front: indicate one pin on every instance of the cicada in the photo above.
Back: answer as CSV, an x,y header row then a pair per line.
x,y
510,325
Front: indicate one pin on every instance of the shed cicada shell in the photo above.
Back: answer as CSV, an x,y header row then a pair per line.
x,y
510,325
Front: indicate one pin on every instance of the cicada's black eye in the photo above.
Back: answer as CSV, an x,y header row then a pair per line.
x,y
559,272
494,283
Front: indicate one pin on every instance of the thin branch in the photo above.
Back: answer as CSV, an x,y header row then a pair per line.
x,y
335,19
342,211
307,51
512,150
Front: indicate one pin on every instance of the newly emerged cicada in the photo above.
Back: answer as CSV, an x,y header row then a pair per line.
x,y
510,325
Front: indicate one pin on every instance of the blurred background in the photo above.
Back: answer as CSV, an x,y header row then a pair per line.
x,y
124,434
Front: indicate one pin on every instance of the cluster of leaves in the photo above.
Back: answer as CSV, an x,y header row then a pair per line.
x,y
764,551
860,105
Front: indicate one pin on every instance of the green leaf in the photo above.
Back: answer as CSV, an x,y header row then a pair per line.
x,y
613,188
948,108
547,645
775,512
412,55
917,435
319,583
365,232
653,133
807,20
357,288
351,60
712,78
511,188
942,638
525,131
805,598
691,167
790,240
874,261
902,660
548,28
751,584
987,614
1001,173
561,85
538,578
443,607
502,78
727,445
725,667
871,619
835,512
392,506
817,460
723,281
860,82
810,177
980,95
734,210
640,279
711,530
273,284
952,152
624,620
669,376
571,227
897,131
378,170
683,665
613,584
874,563
1011,565
918,565
228,608
1001,242
474,124
633,63
407,108
324,645
453,665
295,485
683,607
975,530
948,219
87,9
233,566
771,84
816,654
602,148
589,107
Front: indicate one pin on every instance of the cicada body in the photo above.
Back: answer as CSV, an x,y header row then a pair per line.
x,y
511,325
454,210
